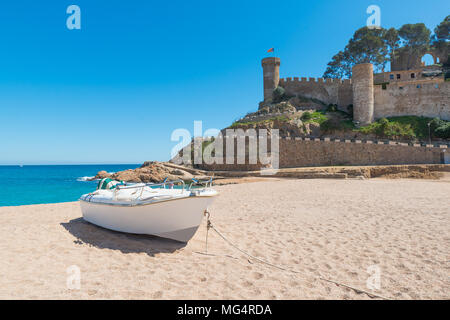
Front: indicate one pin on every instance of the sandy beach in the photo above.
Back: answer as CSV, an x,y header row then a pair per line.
x,y
339,230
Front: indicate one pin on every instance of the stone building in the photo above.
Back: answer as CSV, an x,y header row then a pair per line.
x,y
404,60
421,91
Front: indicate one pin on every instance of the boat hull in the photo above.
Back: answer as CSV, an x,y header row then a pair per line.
x,y
173,219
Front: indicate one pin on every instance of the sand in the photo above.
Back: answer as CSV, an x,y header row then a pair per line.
x,y
336,229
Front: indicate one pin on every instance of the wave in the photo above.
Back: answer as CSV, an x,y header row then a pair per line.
x,y
84,179
87,178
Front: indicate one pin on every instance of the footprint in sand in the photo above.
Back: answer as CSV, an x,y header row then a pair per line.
x,y
91,292
352,273
257,275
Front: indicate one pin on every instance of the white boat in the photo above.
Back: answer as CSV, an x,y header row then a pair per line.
x,y
154,209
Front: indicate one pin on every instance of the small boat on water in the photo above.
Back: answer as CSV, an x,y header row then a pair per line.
x,y
155,209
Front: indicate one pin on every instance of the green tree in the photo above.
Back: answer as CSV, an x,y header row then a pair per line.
x,y
441,43
366,46
415,35
443,131
378,46
392,40
415,40
338,67
278,94
441,32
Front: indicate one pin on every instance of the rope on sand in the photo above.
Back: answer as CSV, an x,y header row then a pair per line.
x,y
211,226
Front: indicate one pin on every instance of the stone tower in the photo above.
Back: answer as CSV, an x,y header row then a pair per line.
x,y
271,72
363,98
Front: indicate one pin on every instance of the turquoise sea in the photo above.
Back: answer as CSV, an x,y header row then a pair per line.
x,y
28,184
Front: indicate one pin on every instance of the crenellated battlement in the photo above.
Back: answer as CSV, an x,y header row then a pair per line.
x,y
311,151
327,90
314,80
408,92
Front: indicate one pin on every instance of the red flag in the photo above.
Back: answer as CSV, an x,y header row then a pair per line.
x,y
271,50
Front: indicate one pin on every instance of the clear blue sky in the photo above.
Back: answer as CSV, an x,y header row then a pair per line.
x,y
114,91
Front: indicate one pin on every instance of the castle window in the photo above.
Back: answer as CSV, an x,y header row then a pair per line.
x,y
398,76
383,86
391,76
401,88
413,75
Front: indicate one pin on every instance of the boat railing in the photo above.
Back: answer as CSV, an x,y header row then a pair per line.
x,y
142,187
204,183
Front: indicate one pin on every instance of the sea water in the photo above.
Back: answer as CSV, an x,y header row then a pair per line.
x,y
23,185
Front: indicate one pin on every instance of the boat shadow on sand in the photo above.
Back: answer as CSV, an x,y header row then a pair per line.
x,y
87,233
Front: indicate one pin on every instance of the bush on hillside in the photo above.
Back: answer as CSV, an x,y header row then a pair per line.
x,y
443,131
440,128
306,116
436,123
332,108
278,94
332,124
384,128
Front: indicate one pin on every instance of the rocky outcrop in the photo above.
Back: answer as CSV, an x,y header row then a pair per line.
x,y
102,175
154,171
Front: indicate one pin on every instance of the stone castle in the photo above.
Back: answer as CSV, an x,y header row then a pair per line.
x,y
421,91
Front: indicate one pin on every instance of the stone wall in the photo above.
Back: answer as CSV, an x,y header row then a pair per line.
x,y
301,153
416,76
403,60
399,99
309,152
330,91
